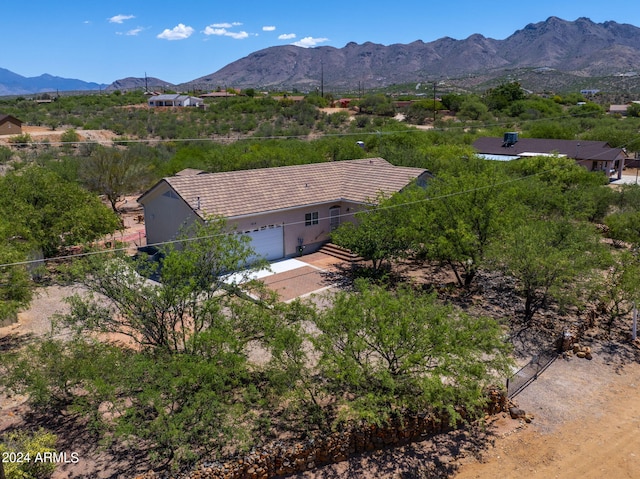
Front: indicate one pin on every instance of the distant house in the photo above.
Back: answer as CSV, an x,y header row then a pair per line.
x,y
293,98
621,109
281,209
217,94
10,125
593,155
174,100
618,109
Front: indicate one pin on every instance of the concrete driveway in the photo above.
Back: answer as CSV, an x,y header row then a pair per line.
x,y
302,276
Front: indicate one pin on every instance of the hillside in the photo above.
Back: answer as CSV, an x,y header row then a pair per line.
x,y
581,48
575,52
13,84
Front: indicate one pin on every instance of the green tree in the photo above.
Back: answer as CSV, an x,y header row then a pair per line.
x,y
500,97
401,349
634,110
588,110
375,235
46,213
377,104
624,226
420,111
15,284
463,217
177,315
548,259
113,173
473,109
619,287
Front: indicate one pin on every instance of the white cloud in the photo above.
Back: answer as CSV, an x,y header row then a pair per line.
x,y
220,29
179,32
120,18
268,28
134,32
237,35
287,36
225,25
307,42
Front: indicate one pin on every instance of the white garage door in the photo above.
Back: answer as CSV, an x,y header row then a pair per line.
x,y
268,242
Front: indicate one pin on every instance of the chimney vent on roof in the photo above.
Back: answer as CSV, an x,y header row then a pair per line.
x,y
510,138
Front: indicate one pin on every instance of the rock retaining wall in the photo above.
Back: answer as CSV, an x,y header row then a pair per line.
x,y
279,459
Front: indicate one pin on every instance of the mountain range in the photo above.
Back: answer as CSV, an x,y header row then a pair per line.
x,y
14,84
581,48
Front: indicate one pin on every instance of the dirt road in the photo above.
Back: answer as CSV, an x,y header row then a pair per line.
x,y
595,434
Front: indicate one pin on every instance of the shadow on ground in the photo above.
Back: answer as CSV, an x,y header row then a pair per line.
x,y
434,458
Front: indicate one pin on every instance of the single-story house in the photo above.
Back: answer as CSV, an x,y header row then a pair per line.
x,y
282,209
174,100
293,98
10,125
621,109
217,94
618,109
593,155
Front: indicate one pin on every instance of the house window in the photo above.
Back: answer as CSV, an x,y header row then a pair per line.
x,y
311,218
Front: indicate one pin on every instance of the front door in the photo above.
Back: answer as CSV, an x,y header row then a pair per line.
x,y
334,217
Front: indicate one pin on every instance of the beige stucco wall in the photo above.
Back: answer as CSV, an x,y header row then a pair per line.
x,y
294,224
165,216
10,128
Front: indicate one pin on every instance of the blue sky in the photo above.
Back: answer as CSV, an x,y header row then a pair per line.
x,y
183,40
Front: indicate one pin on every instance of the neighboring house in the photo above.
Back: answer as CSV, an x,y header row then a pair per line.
x,y
175,100
621,109
618,109
282,209
10,125
293,98
217,94
593,155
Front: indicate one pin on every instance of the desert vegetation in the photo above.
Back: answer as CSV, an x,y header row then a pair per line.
x,y
170,368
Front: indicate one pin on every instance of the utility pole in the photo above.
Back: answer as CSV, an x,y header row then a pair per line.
x,y
434,103
322,78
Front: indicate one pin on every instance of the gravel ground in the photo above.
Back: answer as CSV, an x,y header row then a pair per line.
x,y
48,301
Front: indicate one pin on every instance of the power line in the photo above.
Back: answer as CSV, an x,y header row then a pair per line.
x,y
238,137
198,238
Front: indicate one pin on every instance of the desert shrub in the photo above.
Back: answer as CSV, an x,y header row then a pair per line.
x,y
27,450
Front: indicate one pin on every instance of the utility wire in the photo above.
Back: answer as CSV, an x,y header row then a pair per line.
x,y
197,238
285,137
114,250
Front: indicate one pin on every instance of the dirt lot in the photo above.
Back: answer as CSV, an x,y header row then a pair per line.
x,y
41,134
586,424
586,420
592,430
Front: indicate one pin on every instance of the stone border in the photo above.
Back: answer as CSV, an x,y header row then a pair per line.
x,y
279,459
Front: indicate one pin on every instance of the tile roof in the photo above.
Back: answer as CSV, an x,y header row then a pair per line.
x,y
576,149
12,119
246,192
